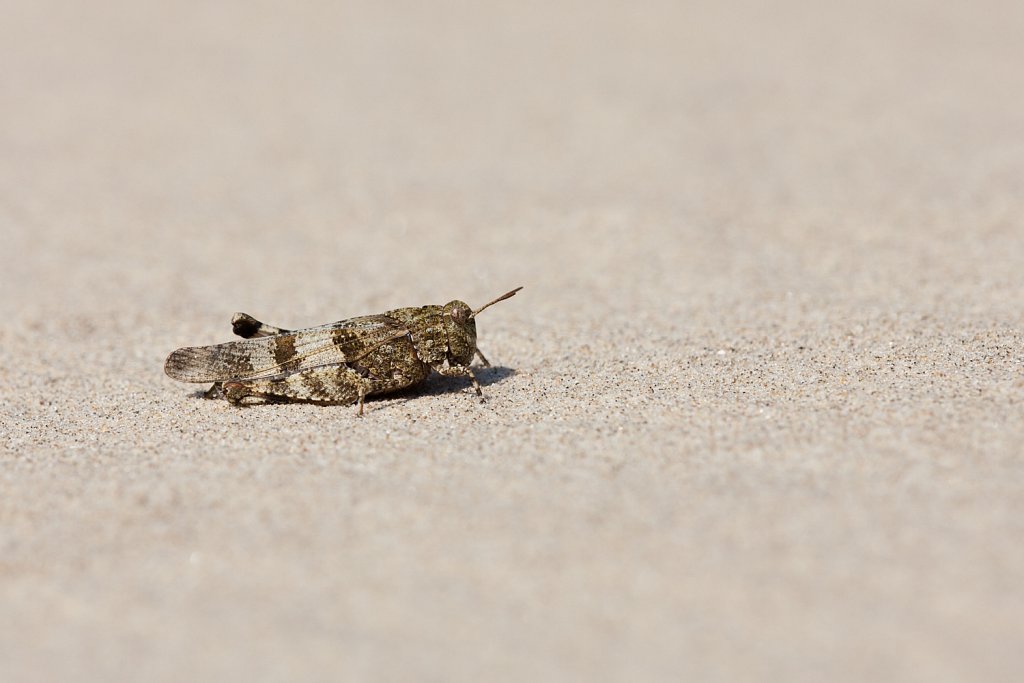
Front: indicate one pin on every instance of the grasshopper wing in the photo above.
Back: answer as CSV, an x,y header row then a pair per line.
x,y
261,357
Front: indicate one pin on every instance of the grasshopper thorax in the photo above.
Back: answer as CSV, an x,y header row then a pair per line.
x,y
460,331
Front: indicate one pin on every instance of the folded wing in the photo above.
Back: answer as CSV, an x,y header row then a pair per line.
x,y
261,357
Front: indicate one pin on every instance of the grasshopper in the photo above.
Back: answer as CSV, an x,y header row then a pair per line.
x,y
340,363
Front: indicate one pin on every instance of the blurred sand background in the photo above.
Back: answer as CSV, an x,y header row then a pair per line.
x,y
756,416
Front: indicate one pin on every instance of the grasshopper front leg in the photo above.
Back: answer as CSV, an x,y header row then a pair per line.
x,y
461,371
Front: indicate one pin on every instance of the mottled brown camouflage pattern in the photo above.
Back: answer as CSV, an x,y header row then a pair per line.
x,y
343,362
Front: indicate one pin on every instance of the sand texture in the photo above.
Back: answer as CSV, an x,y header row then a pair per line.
x,y
757,415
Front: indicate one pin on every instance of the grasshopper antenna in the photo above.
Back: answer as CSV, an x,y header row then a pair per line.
x,y
504,296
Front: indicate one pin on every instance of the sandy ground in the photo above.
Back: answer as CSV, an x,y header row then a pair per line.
x,y
756,416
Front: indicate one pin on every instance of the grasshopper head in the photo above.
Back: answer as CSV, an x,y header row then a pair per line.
x,y
460,328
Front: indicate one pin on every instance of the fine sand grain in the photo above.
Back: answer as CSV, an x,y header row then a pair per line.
x,y
757,414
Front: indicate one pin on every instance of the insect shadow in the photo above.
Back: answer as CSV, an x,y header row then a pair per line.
x,y
438,384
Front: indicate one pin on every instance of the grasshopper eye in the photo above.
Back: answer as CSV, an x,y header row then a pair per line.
x,y
459,315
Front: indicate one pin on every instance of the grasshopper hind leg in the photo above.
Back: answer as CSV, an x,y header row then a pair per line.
x,y
336,385
248,327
